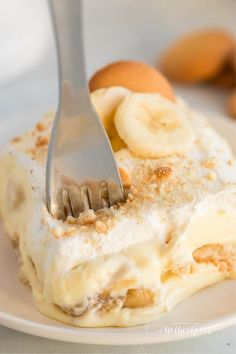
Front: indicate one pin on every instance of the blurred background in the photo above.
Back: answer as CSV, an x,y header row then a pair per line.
x,y
113,30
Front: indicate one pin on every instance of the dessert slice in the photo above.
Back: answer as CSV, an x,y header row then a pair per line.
x,y
129,264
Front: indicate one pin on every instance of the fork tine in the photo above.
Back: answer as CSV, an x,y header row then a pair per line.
x,y
85,198
94,196
66,202
104,195
114,194
75,200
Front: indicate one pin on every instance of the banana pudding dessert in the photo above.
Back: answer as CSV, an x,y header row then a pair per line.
x,y
175,234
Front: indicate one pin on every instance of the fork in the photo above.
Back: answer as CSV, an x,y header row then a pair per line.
x,y
81,170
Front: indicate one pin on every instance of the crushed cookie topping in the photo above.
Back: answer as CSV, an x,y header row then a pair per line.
x,y
35,142
211,176
130,197
162,172
102,221
125,178
16,139
70,220
31,151
101,227
87,218
209,164
70,231
59,232
42,141
40,127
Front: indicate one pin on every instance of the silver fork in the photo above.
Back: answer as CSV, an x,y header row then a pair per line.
x,y
81,170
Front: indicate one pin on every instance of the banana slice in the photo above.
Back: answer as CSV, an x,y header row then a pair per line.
x,y
152,126
106,101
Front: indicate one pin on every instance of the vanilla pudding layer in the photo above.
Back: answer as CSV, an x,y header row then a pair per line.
x,y
125,266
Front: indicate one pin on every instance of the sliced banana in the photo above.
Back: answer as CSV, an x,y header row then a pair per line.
x,y
152,126
106,101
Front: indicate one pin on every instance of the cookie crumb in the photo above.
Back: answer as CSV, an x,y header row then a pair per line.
x,y
209,164
162,172
125,178
16,139
41,141
40,127
100,227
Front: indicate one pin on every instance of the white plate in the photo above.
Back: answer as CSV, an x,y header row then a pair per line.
x,y
210,310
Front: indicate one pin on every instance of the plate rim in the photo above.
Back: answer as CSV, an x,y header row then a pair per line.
x,y
68,334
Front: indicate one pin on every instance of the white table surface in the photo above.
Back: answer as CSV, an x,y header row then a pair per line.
x,y
28,97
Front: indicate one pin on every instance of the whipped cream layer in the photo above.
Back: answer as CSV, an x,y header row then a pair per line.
x,y
129,264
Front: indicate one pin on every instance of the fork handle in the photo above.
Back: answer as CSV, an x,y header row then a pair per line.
x,y
67,20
